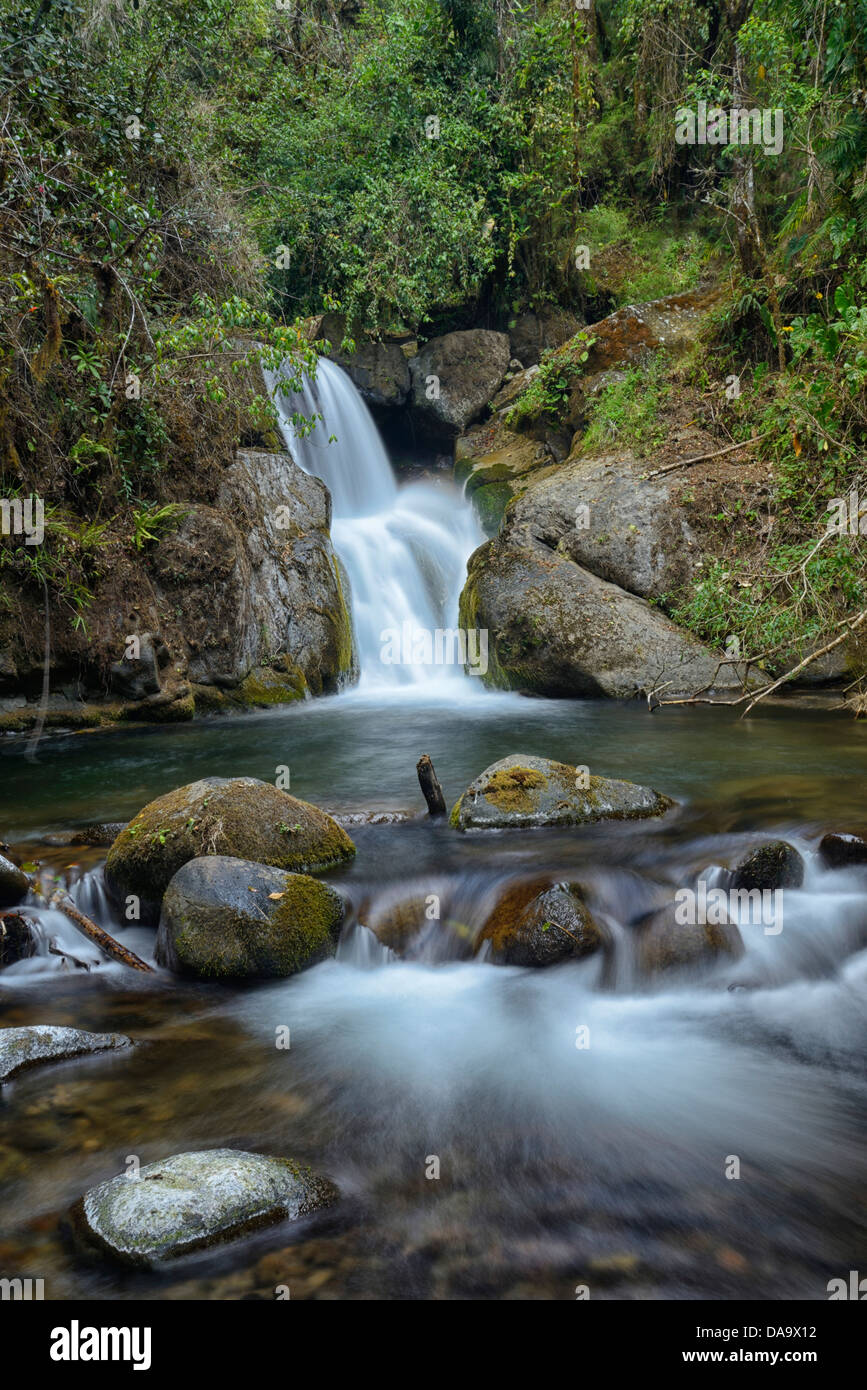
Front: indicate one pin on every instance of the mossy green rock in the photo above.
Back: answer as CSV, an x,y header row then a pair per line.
x,y
195,1200
238,816
230,919
523,790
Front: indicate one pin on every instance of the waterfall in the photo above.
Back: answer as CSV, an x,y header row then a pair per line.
x,y
404,548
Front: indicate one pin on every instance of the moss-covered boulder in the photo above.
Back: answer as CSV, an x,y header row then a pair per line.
x,y
195,1200
665,944
229,919
539,924
238,816
774,865
523,790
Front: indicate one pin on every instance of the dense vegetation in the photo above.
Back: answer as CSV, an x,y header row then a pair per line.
x,y
179,175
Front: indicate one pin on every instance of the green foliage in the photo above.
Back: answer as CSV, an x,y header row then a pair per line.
x,y
628,411
149,523
551,387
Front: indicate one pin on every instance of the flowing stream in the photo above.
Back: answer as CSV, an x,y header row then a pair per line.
x,y
558,1166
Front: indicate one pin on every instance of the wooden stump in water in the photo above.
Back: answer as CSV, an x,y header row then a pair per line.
x,y
431,789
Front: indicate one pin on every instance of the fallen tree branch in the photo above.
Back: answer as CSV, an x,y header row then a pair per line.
x,y
700,458
814,656
754,696
96,934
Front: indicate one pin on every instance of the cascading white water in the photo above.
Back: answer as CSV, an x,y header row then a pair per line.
x,y
405,549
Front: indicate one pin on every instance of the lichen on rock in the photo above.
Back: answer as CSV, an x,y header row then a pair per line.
x,y
523,790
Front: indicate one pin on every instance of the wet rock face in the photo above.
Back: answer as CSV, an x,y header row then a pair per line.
x,y
839,851
556,629
14,883
533,927
18,940
468,368
241,584
240,817
195,1200
380,372
225,918
299,596
27,1047
771,866
523,790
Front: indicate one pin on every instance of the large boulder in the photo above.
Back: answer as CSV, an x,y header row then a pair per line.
x,y
380,371
14,883
246,579
535,924
455,377
523,790
195,1200
27,1047
239,816
555,629
604,514
257,578
231,919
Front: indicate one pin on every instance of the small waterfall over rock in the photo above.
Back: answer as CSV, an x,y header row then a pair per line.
x,y
405,548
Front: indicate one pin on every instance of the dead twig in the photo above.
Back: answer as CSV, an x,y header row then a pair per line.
x,y
700,458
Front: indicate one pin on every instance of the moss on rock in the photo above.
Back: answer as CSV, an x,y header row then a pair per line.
x,y
523,790
228,919
774,865
239,816
539,923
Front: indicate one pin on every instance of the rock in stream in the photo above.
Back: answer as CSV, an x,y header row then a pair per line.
x,y
195,1200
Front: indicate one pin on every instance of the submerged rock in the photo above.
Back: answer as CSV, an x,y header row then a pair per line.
x,y
240,817
195,1200
774,865
523,790
665,944
14,883
838,851
25,1047
533,927
225,918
